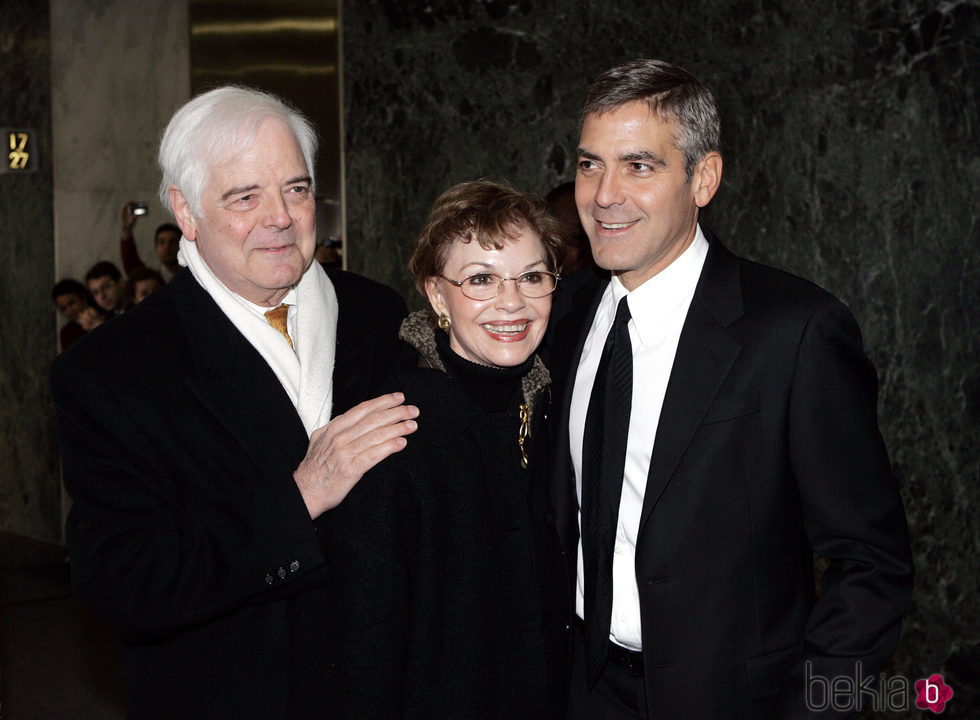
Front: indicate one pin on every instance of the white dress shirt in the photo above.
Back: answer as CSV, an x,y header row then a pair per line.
x,y
658,308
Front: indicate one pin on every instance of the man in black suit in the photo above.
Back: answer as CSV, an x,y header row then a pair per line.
x,y
206,431
717,426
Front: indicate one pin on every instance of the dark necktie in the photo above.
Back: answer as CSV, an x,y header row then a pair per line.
x,y
603,462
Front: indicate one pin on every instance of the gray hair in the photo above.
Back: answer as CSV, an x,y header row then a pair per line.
x,y
670,92
215,125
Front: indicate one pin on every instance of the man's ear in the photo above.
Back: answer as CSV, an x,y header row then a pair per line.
x,y
435,296
182,213
707,178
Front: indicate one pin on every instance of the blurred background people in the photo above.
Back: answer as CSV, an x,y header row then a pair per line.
x,y
329,252
105,283
561,204
79,309
166,243
140,283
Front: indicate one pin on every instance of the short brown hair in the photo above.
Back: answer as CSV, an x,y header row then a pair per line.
x,y
490,212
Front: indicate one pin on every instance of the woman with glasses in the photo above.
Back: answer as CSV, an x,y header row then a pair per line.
x,y
450,602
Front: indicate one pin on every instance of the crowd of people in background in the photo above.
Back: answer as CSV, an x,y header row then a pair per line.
x,y
106,291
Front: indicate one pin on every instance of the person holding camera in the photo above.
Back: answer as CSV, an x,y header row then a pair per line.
x,y
166,242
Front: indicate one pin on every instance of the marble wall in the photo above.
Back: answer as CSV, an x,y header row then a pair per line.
x,y
119,69
850,133
97,80
29,482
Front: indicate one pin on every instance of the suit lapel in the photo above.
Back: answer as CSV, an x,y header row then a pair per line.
x,y
705,354
234,382
351,359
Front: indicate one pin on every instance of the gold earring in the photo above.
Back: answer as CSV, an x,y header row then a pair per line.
x,y
444,322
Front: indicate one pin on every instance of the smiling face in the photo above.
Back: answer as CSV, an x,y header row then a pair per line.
x,y
257,226
635,202
503,331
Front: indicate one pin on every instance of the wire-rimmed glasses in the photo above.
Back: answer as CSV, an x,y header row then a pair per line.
x,y
486,286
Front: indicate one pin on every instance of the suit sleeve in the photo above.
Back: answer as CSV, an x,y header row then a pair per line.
x,y
155,553
852,509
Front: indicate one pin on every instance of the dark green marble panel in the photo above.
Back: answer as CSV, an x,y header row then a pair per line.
x,y
30,500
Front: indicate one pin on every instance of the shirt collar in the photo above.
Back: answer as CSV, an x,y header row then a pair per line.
x,y
259,310
668,292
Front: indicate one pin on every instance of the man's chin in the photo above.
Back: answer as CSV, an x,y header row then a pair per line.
x,y
284,278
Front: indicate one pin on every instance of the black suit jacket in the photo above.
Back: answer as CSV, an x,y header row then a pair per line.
x,y
767,450
187,530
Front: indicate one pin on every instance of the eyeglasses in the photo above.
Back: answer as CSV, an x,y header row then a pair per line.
x,y
486,286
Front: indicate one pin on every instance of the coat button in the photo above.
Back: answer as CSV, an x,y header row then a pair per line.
x,y
268,579
294,566
281,573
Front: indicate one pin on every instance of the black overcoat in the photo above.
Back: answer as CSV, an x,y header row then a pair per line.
x,y
187,530
449,588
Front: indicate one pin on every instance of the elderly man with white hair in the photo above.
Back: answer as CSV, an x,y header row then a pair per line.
x,y
204,433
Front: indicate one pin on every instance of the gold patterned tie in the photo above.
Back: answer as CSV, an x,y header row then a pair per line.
x,y
277,319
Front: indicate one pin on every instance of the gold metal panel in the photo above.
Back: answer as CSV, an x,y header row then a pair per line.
x,y
287,47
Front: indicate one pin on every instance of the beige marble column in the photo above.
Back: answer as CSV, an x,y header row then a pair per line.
x,y
119,69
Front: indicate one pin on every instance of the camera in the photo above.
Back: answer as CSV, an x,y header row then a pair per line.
x,y
137,208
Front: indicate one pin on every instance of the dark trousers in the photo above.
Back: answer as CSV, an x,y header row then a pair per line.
x,y
617,695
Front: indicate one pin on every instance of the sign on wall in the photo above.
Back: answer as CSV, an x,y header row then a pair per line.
x,y
19,152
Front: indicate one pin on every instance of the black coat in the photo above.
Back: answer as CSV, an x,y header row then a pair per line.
x,y
187,531
449,589
767,451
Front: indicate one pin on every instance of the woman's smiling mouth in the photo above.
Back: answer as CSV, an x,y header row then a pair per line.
x,y
507,331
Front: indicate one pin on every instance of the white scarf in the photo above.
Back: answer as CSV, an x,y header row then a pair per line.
x,y
307,374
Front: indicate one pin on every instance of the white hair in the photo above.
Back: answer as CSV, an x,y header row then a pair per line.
x,y
212,128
